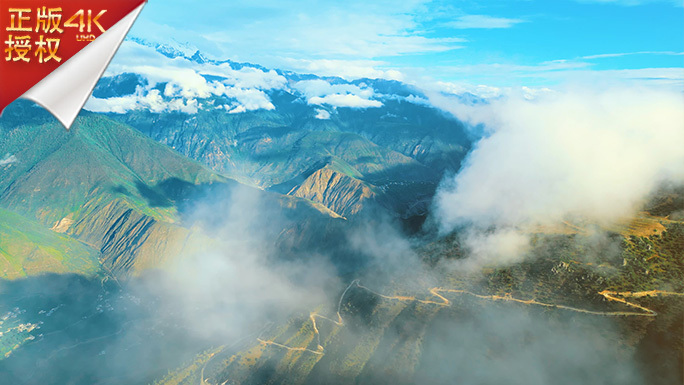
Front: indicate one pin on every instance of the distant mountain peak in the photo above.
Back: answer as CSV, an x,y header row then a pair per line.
x,y
175,49
171,48
198,57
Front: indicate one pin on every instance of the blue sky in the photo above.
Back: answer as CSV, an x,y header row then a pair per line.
x,y
496,42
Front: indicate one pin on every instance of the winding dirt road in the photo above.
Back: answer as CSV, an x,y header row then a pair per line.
x,y
441,300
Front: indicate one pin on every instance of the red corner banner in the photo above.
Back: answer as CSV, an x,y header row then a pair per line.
x,y
40,36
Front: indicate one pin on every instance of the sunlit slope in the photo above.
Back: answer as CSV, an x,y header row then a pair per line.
x,y
341,193
662,208
60,172
28,248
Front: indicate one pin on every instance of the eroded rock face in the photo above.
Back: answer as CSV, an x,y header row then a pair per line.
x,y
340,193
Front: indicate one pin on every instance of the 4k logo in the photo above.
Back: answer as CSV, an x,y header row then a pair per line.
x,y
83,24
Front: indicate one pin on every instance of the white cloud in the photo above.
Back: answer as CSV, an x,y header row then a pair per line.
x,y
479,90
346,69
246,77
504,245
356,29
238,109
417,100
8,159
185,83
338,95
322,114
632,2
622,54
242,260
188,106
581,153
558,72
674,76
135,57
249,99
506,69
483,21
348,100
182,101
531,93
319,87
185,77
440,94
151,101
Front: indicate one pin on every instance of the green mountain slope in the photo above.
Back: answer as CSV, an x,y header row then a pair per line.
x,y
101,182
108,186
28,248
58,172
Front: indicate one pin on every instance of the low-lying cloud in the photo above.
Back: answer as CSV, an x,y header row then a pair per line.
x,y
319,92
594,155
239,280
179,84
8,159
322,114
347,100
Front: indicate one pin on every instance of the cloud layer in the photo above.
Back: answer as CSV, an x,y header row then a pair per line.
x,y
483,21
8,159
187,85
179,84
579,154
